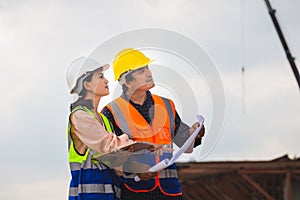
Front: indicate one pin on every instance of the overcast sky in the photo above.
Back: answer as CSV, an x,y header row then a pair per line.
x,y
39,39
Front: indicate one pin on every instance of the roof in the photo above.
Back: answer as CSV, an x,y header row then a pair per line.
x,y
240,179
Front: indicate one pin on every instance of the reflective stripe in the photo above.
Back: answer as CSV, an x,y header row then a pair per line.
x,y
93,188
77,166
168,173
116,111
73,191
170,113
88,160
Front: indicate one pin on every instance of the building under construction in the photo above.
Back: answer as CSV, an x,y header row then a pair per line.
x,y
256,180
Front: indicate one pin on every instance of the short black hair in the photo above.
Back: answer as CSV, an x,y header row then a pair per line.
x,y
128,78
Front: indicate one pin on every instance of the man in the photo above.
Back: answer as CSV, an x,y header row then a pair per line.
x,y
149,118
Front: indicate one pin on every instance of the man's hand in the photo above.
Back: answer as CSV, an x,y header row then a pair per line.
x,y
194,127
147,175
201,133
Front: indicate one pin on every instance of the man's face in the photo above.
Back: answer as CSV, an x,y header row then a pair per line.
x,y
142,80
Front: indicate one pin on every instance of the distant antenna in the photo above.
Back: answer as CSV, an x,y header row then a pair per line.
x,y
290,58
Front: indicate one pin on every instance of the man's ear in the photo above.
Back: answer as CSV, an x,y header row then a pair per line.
x,y
127,84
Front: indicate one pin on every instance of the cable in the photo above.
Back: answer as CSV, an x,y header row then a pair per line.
x,y
243,55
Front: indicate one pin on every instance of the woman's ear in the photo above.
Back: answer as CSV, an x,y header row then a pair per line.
x,y
87,85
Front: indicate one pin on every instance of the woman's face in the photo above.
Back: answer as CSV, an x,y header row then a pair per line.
x,y
98,84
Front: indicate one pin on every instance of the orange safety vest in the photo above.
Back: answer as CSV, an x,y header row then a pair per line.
x,y
160,131
138,127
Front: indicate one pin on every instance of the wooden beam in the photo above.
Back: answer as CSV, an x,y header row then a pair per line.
x,y
256,186
267,171
297,177
243,185
228,187
288,188
218,192
293,164
202,192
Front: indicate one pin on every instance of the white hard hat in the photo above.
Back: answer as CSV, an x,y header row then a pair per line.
x,y
79,70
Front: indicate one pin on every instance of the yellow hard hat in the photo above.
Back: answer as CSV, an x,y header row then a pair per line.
x,y
127,60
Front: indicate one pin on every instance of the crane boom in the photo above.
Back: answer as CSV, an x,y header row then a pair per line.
x,y
290,58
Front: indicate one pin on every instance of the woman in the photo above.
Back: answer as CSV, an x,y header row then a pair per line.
x,y
90,135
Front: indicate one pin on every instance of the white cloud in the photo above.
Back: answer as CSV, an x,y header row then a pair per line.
x,y
38,40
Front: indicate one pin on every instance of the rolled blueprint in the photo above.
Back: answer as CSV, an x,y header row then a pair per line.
x,y
166,162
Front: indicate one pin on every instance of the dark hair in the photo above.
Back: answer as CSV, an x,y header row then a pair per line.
x,y
128,78
81,101
82,93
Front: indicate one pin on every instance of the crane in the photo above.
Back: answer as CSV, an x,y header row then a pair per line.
x,y
290,58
